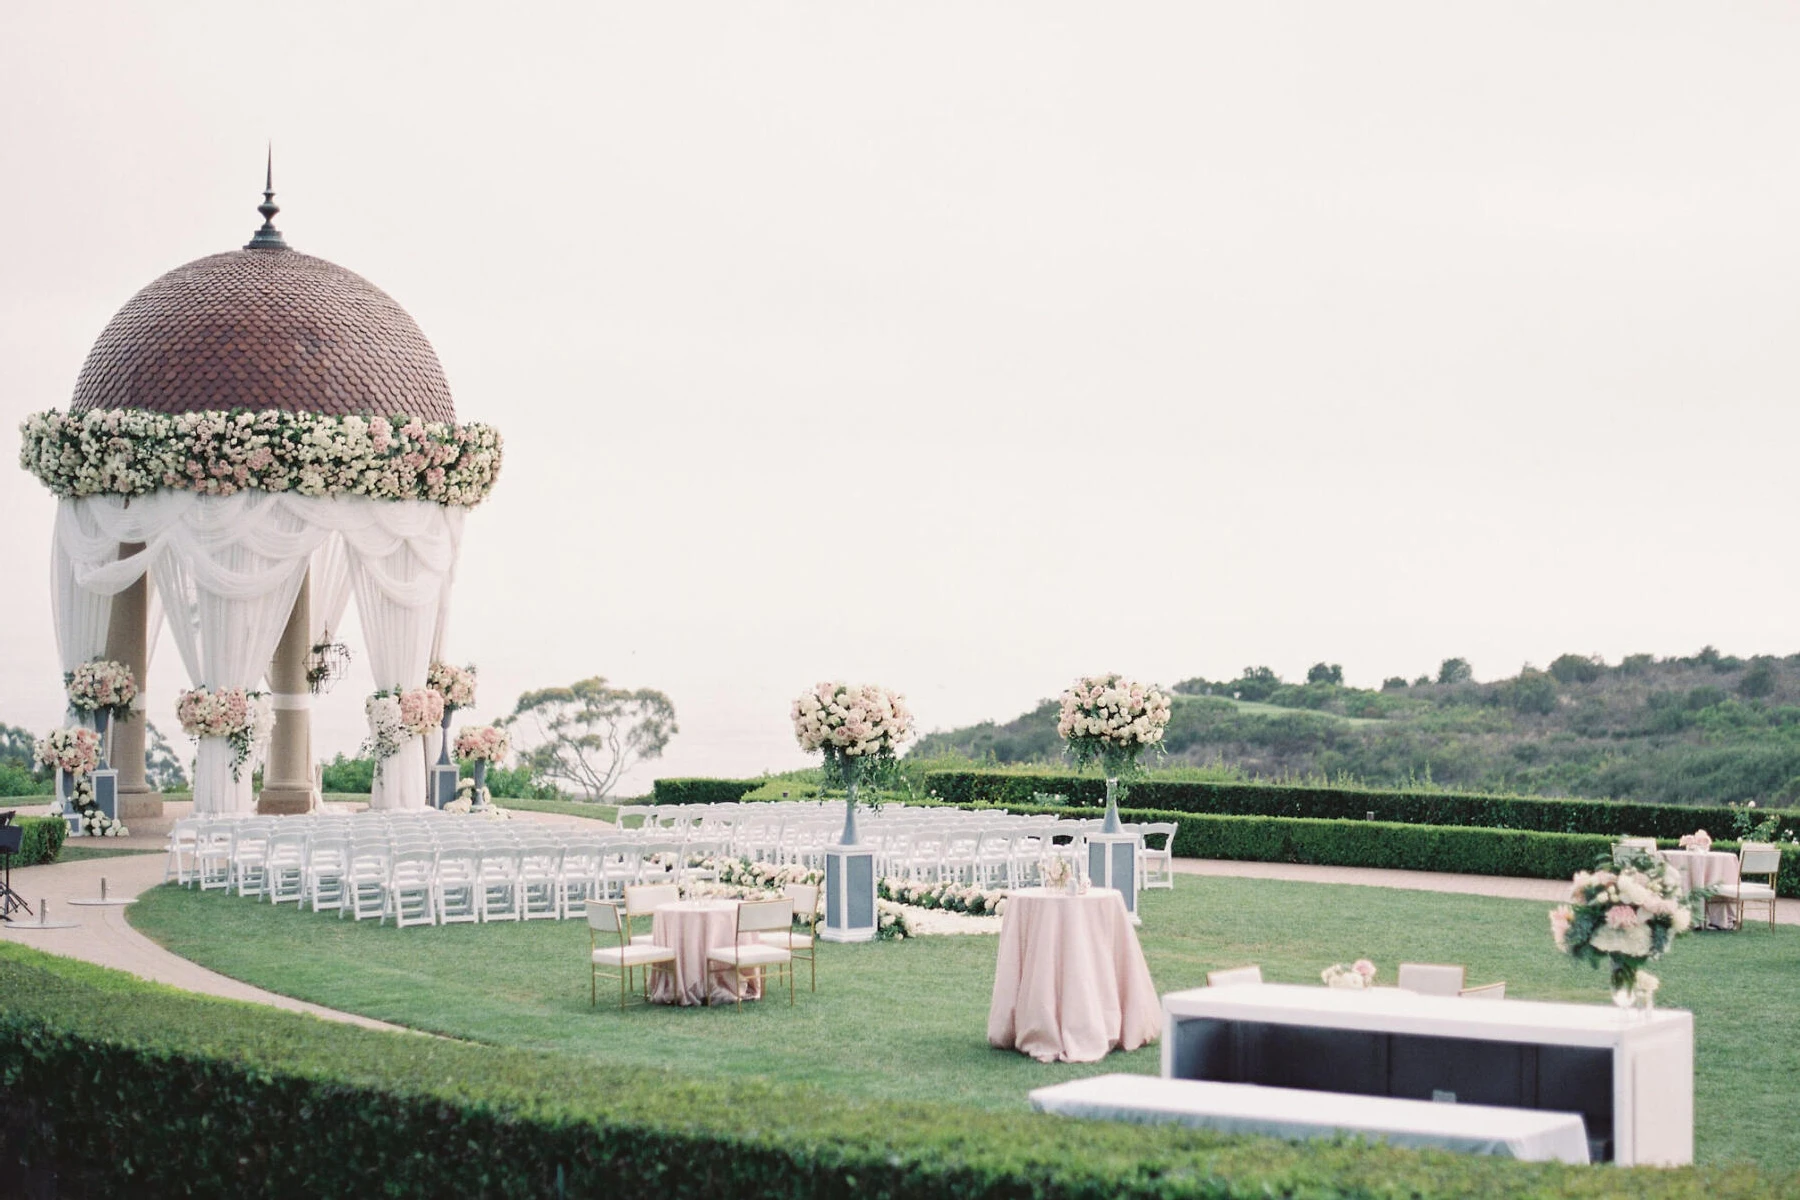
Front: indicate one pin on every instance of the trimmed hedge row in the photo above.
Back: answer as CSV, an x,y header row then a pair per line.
x,y
115,1086
42,840
1614,818
701,791
1453,849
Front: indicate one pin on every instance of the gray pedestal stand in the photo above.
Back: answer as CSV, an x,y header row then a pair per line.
x,y
849,894
1112,863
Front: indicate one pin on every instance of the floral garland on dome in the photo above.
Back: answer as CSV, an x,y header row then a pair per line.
x,y
131,452
455,684
396,717
244,718
101,685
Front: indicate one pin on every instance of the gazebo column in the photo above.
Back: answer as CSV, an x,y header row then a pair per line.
x,y
288,773
127,641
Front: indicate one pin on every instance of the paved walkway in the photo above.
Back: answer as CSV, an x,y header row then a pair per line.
x,y
106,938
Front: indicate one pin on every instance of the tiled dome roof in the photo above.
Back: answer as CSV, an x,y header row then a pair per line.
x,y
264,329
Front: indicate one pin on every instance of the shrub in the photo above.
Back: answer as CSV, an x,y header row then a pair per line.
x,y
1455,670
17,779
701,791
1609,818
349,775
41,840
1574,668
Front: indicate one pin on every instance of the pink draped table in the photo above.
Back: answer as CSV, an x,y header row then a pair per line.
x,y
691,928
1708,868
1071,983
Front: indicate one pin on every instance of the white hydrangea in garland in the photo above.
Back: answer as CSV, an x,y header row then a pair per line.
x,y
130,452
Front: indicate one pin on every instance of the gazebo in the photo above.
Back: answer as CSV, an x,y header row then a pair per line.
x,y
255,438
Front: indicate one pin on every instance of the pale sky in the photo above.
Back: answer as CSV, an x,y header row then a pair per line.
x,y
966,348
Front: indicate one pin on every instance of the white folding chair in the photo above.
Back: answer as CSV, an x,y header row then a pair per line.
x,y
366,879
498,890
182,864
285,867
456,886
540,881
327,865
1157,862
410,897
1430,979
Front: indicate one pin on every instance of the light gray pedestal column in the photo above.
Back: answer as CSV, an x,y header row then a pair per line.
x,y
849,894
1112,863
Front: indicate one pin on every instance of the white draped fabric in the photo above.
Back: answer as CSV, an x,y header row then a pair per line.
x,y
227,569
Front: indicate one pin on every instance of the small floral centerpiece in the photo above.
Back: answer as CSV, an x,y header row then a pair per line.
x,y
858,728
1356,976
1626,912
1060,873
75,753
1111,720
242,717
1698,840
473,798
455,684
396,717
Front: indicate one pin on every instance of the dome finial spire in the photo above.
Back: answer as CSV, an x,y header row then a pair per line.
x,y
268,237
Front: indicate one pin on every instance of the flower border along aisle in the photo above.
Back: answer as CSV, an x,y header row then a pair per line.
x,y
859,729
1627,911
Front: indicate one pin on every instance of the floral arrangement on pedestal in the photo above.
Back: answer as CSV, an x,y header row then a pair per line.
x,y
858,728
1112,720
75,753
244,718
455,684
1627,912
482,744
104,689
1353,976
396,716
131,452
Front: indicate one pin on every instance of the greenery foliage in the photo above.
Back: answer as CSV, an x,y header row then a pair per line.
x,y
701,791
106,1073
41,840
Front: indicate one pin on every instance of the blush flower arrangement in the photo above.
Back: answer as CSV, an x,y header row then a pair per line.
x,y
1626,912
244,718
455,684
483,743
102,685
857,728
1355,976
398,716
76,751
1112,720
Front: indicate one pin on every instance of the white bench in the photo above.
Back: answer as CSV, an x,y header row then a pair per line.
x,y
1523,1133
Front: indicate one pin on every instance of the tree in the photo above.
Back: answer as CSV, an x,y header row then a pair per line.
x,y
18,744
1573,668
1256,683
1758,681
589,734
1394,683
1534,692
162,768
1325,673
1455,670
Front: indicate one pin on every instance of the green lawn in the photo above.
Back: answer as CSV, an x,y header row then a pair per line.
x,y
908,1020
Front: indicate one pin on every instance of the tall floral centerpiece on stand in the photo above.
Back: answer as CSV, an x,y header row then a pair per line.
x,y
104,690
481,745
244,718
396,716
74,754
1626,912
1111,720
456,686
859,728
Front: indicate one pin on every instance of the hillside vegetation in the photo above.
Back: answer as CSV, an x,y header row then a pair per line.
x,y
1710,727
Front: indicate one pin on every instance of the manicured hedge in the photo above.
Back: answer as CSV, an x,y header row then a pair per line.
x,y
1454,849
42,841
1614,818
701,791
118,1087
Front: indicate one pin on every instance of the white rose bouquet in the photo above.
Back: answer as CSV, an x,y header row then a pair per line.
x,y
1628,913
245,718
1111,720
76,751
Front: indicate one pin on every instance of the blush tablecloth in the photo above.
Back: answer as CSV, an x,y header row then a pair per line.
x,y
691,928
1071,983
1708,868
